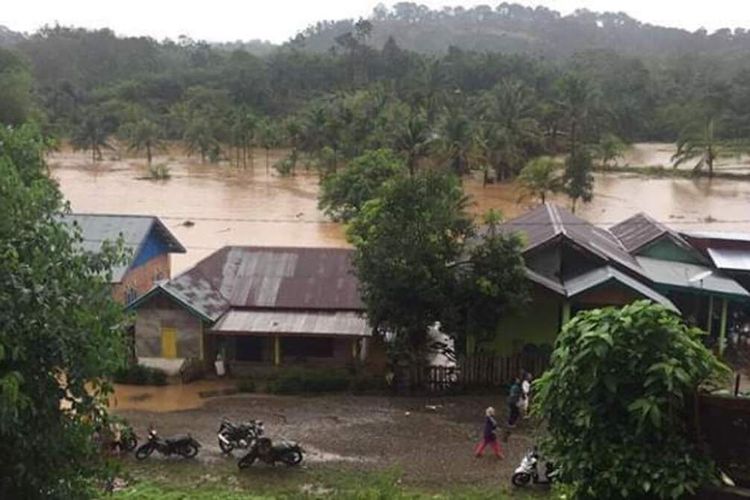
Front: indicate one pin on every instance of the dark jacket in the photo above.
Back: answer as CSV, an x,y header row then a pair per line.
x,y
490,426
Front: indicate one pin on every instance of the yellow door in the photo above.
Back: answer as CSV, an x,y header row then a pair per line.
x,y
168,342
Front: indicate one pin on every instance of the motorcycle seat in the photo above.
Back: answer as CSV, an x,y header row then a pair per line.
x,y
176,439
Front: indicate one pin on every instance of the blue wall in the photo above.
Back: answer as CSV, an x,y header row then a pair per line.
x,y
153,247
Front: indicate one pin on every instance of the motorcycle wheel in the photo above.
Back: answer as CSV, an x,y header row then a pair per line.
x,y
144,451
226,447
188,450
246,461
292,458
130,443
520,479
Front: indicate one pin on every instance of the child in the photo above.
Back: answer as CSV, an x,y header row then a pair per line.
x,y
489,436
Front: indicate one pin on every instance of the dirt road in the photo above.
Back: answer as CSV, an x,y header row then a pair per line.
x,y
429,439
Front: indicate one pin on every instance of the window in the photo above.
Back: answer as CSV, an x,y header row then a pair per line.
x,y
307,347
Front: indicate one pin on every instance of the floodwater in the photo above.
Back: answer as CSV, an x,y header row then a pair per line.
x,y
654,154
209,206
168,398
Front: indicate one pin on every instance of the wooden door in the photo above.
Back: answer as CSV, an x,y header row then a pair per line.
x,y
168,342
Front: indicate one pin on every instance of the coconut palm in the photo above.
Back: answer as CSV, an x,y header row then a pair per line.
x,y
200,138
540,177
700,144
143,135
91,134
269,138
242,132
412,137
455,141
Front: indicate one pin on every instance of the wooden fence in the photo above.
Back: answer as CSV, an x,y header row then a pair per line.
x,y
474,372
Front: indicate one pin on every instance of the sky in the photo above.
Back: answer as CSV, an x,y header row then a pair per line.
x,y
278,20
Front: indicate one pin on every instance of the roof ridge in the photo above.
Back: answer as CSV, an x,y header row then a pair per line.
x,y
554,216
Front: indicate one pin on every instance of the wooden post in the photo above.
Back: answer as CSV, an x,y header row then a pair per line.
x,y
565,313
723,328
276,351
354,348
710,324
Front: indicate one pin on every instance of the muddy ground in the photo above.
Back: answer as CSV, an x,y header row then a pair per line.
x,y
429,447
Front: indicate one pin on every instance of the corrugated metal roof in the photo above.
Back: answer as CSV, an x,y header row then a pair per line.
x,y
549,221
592,279
726,258
324,323
134,229
691,277
282,277
719,235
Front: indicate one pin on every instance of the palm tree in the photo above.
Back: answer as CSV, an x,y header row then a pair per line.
x,y
268,136
243,130
91,134
455,141
144,135
412,137
701,144
540,177
578,100
511,128
199,137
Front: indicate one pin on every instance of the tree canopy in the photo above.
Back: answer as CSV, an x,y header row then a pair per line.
x,y
616,403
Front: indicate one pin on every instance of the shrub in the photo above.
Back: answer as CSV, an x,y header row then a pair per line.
x,y
308,381
246,385
136,374
159,171
615,401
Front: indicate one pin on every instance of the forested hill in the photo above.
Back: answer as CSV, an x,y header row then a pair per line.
x,y
515,28
9,37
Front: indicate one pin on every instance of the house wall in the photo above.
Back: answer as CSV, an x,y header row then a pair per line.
x,y
538,324
160,312
141,278
665,249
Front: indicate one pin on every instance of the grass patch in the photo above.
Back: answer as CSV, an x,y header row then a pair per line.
x,y
173,481
669,172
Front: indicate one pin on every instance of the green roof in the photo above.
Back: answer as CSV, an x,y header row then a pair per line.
x,y
607,274
691,277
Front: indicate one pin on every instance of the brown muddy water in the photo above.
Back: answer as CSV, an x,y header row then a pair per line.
x,y
227,205
653,154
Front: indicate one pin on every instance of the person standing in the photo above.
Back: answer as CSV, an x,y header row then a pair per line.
x,y
525,393
489,435
514,398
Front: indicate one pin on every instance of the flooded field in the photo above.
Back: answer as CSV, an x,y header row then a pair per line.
x,y
654,154
209,206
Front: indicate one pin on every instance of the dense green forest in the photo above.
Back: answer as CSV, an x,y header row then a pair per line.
x,y
469,95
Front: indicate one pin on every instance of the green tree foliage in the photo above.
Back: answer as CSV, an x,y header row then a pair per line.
x,y
455,141
91,134
344,193
609,149
15,89
540,177
419,264
143,135
200,137
412,137
60,339
616,403
698,142
578,179
269,137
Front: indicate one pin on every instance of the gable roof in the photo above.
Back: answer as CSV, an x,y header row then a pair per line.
x,y
548,222
266,278
134,229
692,277
639,230
606,274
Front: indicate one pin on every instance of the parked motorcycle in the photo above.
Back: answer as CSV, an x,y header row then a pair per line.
x,y
240,436
266,451
183,445
528,470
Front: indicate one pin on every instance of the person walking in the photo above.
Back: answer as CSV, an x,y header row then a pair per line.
x,y
489,435
514,398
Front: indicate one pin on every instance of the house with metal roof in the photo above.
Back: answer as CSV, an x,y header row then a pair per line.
x,y
257,307
574,265
694,271
147,242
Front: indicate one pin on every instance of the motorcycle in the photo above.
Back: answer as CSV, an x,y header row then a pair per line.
x,y
528,470
233,436
183,445
264,450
